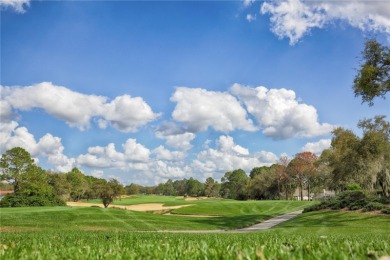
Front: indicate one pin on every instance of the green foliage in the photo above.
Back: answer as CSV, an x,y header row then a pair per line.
x,y
371,206
234,185
354,186
13,164
24,200
373,78
352,200
386,210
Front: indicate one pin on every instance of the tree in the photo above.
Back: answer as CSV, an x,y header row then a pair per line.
x,y
133,189
195,188
373,78
211,187
116,187
285,182
302,169
78,182
60,185
264,184
104,191
374,150
14,164
258,170
234,185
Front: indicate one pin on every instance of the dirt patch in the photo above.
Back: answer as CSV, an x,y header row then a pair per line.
x,y
139,207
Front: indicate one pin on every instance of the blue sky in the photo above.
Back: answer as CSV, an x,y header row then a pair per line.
x,y
147,91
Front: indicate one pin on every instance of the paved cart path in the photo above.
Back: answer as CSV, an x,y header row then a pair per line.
x,y
257,227
270,222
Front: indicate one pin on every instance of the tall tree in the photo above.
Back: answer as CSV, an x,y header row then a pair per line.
x,y
264,185
285,182
14,164
211,187
373,78
78,182
234,185
302,169
374,150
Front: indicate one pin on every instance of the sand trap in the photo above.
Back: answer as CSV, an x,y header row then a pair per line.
x,y
138,207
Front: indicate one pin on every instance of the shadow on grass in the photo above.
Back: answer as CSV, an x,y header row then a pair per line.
x,y
233,222
326,219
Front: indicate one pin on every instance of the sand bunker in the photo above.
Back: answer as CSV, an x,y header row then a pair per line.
x,y
138,207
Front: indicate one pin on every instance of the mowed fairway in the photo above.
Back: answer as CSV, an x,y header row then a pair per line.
x,y
231,215
97,233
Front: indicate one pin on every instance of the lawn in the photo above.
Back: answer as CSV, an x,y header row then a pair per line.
x,y
97,233
233,214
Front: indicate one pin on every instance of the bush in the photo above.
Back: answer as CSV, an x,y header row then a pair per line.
x,y
386,210
353,186
353,200
23,200
373,206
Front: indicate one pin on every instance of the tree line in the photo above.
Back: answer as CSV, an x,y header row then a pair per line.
x,y
34,186
350,160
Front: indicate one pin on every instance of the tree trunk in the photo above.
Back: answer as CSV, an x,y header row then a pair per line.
x,y
301,190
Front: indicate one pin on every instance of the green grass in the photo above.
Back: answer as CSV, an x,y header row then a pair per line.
x,y
97,233
234,214
329,222
143,199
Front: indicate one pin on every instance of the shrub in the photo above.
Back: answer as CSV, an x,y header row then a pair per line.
x,y
23,200
353,186
373,206
386,210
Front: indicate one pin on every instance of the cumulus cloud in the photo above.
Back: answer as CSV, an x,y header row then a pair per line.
x,y
48,146
159,164
162,153
17,5
317,147
199,109
125,113
279,113
295,18
227,156
175,136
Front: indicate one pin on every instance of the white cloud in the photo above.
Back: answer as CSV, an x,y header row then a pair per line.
x,y
134,156
164,154
18,5
97,173
248,2
250,17
317,147
279,113
199,109
175,136
295,18
149,167
48,146
227,156
125,113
